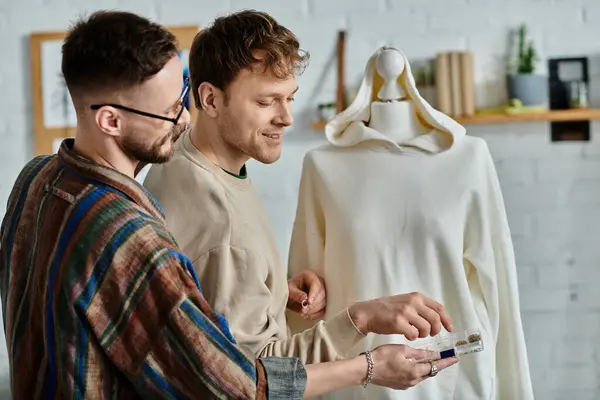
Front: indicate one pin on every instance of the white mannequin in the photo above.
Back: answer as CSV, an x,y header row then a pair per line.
x,y
431,220
394,115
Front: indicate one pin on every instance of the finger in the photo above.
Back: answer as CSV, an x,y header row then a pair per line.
x,y
424,369
432,318
441,311
446,362
317,299
317,315
421,355
406,329
313,313
296,295
316,287
420,323
316,306
318,303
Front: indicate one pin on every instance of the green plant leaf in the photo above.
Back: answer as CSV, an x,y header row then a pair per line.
x,y
526,53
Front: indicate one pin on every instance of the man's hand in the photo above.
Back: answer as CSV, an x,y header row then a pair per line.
x,y
308,296
412,315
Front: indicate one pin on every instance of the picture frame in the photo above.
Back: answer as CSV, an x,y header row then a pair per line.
x,y
53,113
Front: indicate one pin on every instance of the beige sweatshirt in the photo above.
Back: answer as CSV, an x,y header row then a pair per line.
x,y
219,222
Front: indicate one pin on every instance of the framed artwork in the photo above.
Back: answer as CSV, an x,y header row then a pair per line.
x,y
53,112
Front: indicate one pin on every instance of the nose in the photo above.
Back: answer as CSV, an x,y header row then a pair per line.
x,y
285,117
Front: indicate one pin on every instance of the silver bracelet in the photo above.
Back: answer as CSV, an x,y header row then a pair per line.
x,y
370,368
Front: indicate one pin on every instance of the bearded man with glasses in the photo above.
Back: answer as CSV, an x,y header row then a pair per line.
x,y
154,152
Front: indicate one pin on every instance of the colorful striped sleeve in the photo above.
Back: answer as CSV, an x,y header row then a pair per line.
x,y
161,333
14,209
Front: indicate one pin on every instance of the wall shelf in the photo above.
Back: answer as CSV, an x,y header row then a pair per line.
x,y
506,118
318,125
489,116
546,116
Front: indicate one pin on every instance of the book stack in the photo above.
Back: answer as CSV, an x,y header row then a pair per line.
x,y
455,83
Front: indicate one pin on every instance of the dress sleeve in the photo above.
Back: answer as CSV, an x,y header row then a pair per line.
x,y
489,248
308,234
307,244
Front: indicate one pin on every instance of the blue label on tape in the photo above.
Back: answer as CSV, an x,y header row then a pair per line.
x,y
447,353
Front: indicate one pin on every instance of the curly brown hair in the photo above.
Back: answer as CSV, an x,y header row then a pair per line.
x,y
231,44
114,49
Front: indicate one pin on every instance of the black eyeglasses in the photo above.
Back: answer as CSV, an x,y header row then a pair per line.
x,y
181,103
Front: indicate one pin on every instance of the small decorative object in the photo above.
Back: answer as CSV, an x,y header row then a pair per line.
x,y
326,111
474,337
579,96
454,344
523,84
424,80
568,88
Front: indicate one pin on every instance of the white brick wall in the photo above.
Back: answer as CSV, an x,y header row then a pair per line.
x,y
552,191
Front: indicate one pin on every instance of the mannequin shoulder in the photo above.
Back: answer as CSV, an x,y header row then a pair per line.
x,y
477,158
474,146
474,143
326,148
321,160
326,153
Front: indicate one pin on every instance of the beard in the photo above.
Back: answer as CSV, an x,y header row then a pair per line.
x,y
233,136
152,153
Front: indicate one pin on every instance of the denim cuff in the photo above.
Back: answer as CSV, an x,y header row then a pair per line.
x,y
286,377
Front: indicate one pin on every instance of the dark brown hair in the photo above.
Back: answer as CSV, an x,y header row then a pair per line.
x,y
114,49
222,50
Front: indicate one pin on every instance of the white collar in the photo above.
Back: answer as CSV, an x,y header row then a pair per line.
x,y
357,132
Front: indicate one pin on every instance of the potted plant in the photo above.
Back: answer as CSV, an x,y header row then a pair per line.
x,y
523,84
326,111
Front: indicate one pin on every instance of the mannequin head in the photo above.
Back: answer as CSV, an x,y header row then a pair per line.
x,y
341,131
243,70
390,66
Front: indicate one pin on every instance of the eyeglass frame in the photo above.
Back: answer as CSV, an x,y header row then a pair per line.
x,y
185,93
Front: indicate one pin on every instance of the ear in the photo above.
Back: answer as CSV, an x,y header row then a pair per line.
x,y
209,98
109,120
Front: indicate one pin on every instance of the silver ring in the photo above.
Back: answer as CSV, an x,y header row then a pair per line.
x,y
304,303
434,369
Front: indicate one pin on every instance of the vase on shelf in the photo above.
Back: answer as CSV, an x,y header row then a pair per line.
x,y
530,89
